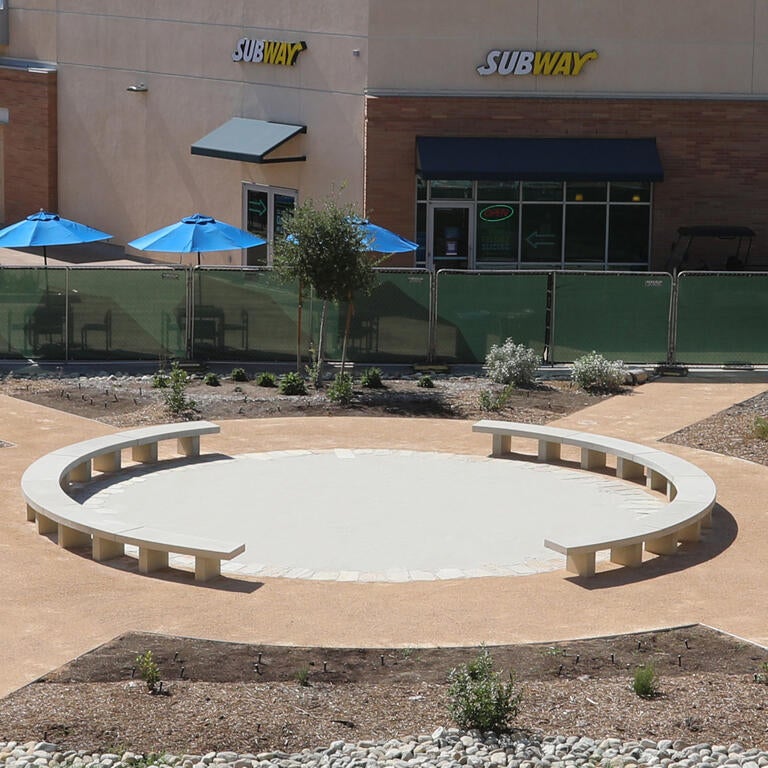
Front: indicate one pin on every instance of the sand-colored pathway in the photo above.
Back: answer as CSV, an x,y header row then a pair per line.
x,y
57,604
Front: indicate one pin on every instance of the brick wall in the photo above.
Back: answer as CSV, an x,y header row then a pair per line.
x,y
714,153
30,142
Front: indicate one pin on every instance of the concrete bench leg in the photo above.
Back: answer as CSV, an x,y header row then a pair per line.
x,y
631,555
629,470
152,560
592,460
501,445
188,446
207,568
144,454
107,462
46,525
582,564
691,532
104,549
664,545
81,473
656,481
31,514
706,521
71,537
548,451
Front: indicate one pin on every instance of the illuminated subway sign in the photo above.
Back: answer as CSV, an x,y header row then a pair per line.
x,y
268,51
499,212
566,63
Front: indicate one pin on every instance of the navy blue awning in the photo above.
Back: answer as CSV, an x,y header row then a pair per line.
x,y
249,141
538,159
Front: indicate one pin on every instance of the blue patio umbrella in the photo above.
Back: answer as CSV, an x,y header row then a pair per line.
x,y
196,234
44,228
382,240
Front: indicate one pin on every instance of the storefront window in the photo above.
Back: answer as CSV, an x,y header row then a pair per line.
x,y
630,192
586,191
264,208
421,189
542,191
542,233
498,190
628,228
450,190
497,234
585,233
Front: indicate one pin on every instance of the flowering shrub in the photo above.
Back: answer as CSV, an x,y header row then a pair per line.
x,y
512,363
594,373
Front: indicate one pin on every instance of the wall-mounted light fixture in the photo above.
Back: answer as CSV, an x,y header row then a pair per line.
x,y
137,88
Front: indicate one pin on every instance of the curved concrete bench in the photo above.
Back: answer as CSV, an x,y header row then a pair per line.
x,y
691,493
46,481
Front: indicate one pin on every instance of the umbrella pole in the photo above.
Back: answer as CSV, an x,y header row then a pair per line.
x,y
45,257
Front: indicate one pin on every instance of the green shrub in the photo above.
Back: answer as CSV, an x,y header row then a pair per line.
x,y
148,670
479,698
160,380
512,363
341,390
238,374
761,428
302,676
211,379
645,683
594,373
266,379
292,384
762,675
489,400
175,397
370,378
425,381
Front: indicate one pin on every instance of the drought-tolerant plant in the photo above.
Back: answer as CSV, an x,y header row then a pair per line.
x,y
370,378
511,363
238,374
148,670
645,683
302,676
175,396
489,400
762,675
480,698
341,390
266,379
425,381
595,373
292,384
211,379
761,428
160,380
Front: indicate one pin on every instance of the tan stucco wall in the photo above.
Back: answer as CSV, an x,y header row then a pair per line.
x,y
696,47
124,160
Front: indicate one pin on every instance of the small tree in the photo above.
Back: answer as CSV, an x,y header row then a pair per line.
x,y
324,248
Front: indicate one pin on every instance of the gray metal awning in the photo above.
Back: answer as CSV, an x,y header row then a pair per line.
x,y
249,141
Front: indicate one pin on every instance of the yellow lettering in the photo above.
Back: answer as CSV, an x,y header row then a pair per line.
x,y
564,64
543,62
295,50
579,61
269,51
280,57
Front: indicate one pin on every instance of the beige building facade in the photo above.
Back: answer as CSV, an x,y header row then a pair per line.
x,y
527,134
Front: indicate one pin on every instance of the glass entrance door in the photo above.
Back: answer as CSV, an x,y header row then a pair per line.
x,y
449,245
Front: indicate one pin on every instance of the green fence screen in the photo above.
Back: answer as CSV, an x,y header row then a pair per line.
x,y
129,313
620,315
722,318
33,313
476,310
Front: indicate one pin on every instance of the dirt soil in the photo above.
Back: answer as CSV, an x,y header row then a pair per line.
x,y
129,400
246,698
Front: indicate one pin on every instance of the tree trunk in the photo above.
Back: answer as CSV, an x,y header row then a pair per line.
x,y
350,312
321,344
298,327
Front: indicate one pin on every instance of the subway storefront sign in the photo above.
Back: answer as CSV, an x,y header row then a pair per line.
x,y
268,51
566,63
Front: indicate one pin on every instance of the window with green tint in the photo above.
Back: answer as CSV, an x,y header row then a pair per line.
x,y
496,231
421,234
534,191
542,233
586,191
585,233
498,190
630,192
450,190
628,233
421,189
